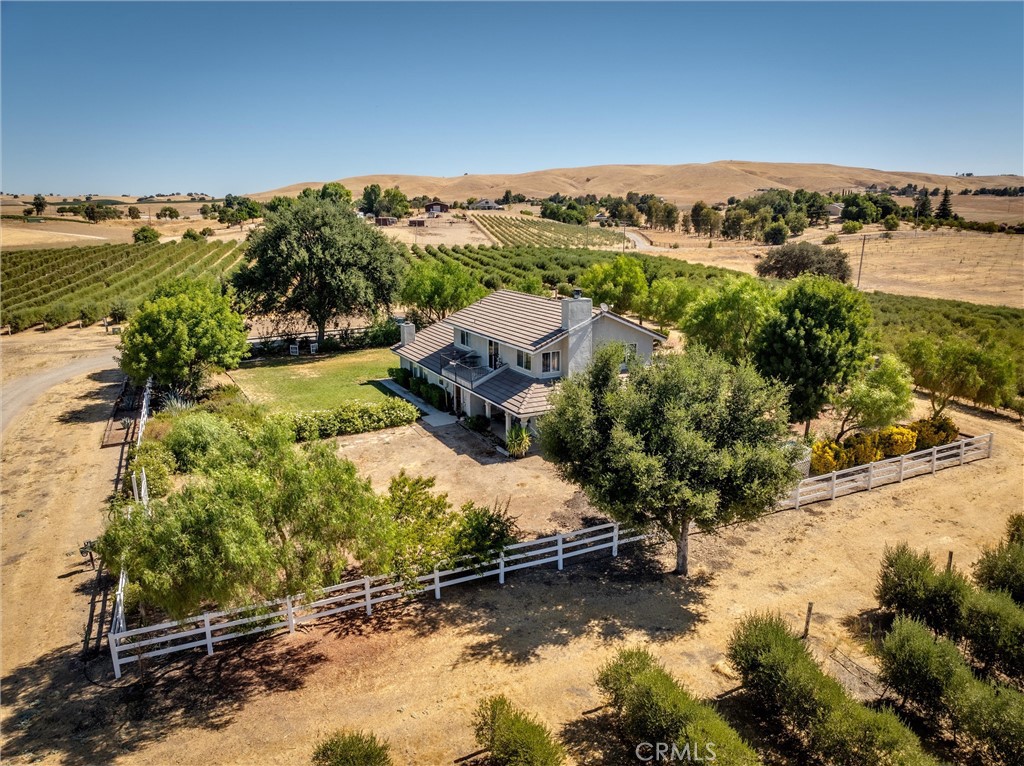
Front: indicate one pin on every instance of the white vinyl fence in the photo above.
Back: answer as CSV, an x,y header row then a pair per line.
x,y
211,628
861,478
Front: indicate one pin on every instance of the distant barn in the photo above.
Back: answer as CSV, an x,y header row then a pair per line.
x,y
436,207
417,222
386,220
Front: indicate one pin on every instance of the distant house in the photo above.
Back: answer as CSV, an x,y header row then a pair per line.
x,y
436,207
486,204
502,356
386,220
421,222
600,217
835,209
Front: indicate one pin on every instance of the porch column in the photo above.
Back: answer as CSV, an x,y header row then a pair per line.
x,y
487,410
508,422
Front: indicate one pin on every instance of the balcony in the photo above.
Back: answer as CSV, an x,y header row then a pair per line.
x,y
466,368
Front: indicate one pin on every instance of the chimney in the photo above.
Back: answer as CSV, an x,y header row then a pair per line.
x,y
408,330
576,310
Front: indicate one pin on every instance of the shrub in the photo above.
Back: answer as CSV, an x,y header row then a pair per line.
x,y
894,441
931,673
517,441
119,311
775,233
89,313
1002,568
862,448
206,232
513,737
934,432
831,239
564,289
780,674
994,631
904,580
852,227
145,234
794,259
478,423
826,457
400,375
1015,528
492,282
654,707
202,441
159,464
891,222
482,532
352,749
353,418
58,315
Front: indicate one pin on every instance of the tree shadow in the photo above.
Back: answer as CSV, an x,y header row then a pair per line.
x,y
596,739
94,406
64,704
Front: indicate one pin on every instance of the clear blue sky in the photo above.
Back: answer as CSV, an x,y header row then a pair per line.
x,y
137,98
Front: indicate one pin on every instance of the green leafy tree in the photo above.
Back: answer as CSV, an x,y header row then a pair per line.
x,y
796,222
145,234
185,330
393,202
923,205
945,209
728,317
193,235
370,201
891,222
39,204
134,213
686,439
335,192
816,342
710,221
955,368
168,212
668,299
796,258
696,216
437,288
775,233
532,285
317,259
620,283
877,397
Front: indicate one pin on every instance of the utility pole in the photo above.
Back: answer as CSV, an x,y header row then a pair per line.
x,y
860,268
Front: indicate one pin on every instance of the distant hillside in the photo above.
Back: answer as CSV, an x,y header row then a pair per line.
x,y
682,184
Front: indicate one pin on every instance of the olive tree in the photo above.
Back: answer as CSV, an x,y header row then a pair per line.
x,y
685,439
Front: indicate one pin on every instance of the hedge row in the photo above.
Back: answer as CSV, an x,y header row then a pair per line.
x,y
654,707
931,673
1002,567
893,441
513,737
782,677
989,622
353,418
352,748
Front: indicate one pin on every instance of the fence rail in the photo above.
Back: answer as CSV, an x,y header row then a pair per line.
x,y
211,628
861,478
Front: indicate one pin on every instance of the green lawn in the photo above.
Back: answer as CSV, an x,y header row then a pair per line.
x,y
316,383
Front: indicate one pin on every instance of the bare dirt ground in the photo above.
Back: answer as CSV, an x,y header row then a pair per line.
x,y
468,469
34,351
414,673
46,234
965,266
446,230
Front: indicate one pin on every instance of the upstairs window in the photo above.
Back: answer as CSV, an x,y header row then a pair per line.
x,y
524,361
551,361
463,338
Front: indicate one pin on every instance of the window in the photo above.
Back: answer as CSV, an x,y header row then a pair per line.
x,y
463,338
551,361
523,360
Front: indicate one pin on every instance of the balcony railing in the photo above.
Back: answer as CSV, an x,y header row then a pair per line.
x,y
465,368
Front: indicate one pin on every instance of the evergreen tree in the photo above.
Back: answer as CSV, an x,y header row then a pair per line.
x,y
945,211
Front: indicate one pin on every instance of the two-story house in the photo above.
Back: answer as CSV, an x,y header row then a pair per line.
x,y
503,355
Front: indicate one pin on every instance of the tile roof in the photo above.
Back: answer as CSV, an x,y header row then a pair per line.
x,y
519,394
428,345
524,321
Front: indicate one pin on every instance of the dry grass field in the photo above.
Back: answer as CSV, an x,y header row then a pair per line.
x,y
682,184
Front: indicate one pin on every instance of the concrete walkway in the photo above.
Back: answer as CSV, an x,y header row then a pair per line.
x,y
434,416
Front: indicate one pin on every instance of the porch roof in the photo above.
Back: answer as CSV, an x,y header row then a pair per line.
x,y
516,393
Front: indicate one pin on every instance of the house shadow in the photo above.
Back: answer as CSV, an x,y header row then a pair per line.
x,y
68,704
94,406
462,441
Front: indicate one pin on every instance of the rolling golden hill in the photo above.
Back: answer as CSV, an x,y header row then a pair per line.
x,y
683,184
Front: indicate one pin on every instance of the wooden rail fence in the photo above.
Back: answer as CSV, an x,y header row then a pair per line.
x,y
211,628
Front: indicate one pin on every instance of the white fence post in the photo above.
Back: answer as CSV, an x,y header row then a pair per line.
x,y
291,614
962,445
832,494
559,543
615,540
991,438
935,459
871,475
437,584
209,636
135,487
501,568
796,500
366,593
902,459
112,643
